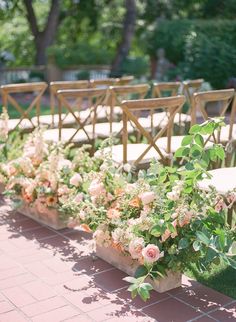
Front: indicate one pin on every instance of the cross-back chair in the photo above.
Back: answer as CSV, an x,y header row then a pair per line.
x,y
78,134
9,96
52,120
140,154
189,88
115,95
221,101
166,89
103,82
125,80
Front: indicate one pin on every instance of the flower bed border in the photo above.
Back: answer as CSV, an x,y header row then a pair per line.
x,y
129,266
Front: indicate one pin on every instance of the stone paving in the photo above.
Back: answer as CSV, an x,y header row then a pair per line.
x,y
48,275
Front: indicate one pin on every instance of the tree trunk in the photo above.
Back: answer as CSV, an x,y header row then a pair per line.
x,y
127,35
43,39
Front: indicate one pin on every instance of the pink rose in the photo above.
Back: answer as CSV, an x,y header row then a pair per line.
x,y
185,219
135,248
151,253
147,197
76,179
63,190
96,188
79,197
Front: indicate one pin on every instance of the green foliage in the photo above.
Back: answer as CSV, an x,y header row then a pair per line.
x,y
197,47
136,66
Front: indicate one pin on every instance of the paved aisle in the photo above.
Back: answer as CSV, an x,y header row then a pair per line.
x,y
50,276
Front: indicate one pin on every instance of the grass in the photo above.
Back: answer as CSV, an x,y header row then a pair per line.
x,y
221,278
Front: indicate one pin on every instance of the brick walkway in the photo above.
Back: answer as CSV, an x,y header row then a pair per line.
x,y
47,275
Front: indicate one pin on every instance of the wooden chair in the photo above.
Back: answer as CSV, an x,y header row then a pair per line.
x,y
221,100
139,155
9,96
91,97
115,95
52,120
182,120
101,83
125,80
222,181
189,88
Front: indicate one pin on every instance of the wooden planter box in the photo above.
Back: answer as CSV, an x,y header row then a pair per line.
x,y
129,266
49,218
2,188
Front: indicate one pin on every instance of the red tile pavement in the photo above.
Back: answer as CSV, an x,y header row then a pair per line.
x,y
48,275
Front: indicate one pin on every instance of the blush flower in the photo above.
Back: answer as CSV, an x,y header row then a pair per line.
x,y
96,188
151,253
76,180
147,197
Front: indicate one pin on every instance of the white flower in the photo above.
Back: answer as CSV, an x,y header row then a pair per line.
x,y
135,248
173,195
76,179
127,167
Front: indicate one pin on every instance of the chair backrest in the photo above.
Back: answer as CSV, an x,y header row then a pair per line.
x,y
36,89
90,97
222,100
125,80
163,88
171,105
63,85
103,82
190,87
116,94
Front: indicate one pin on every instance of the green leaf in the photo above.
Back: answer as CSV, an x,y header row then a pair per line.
x,y
141,271
143,291
183,243
186,140
157,230
195,129
199,140
196,246
219,150
232,249
203,238
130,279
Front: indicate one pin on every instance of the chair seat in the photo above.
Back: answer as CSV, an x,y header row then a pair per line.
x,y
224,134
102,130
25,124
52,135
222,180
175,143
161,119
133,152
68,119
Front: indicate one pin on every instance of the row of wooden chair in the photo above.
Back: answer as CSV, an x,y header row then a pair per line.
x,y
26,123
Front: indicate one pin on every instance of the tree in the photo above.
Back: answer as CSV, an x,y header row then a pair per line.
x,y
126,39
45,38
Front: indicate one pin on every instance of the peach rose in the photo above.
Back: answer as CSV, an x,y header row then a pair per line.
x,y
147,197
151,253
113,213
135,202
135,248
76,180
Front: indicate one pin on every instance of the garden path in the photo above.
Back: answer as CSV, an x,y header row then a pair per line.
x,y
46,275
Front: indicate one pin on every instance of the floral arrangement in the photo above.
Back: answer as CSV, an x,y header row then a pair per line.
x,y
47,176
162,220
